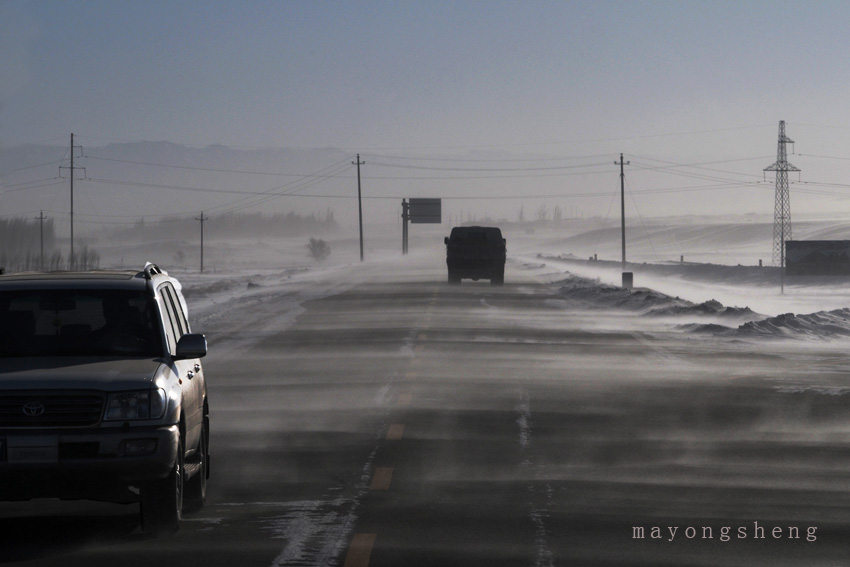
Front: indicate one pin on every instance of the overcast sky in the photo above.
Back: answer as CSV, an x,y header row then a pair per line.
x,y
686,82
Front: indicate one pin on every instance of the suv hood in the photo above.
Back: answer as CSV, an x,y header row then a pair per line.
x,y
77,373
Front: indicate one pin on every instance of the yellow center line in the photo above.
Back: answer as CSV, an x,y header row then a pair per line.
x,y
360,550
395,432
404,399
382,478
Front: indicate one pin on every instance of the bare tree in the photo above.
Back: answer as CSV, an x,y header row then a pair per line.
x,y
180,258
318,249
542,213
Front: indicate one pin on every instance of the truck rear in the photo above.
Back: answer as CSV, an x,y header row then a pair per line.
x,y
476,252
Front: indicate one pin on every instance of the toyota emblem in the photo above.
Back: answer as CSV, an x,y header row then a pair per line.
x,y
33,409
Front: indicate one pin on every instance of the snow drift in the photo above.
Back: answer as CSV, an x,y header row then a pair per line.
x,y
713,317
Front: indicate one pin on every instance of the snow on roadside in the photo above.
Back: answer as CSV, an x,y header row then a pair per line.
x,y
595,294
246,305
821,325
226,302
715,318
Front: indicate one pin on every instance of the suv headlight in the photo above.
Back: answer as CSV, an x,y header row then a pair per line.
x,y
144,404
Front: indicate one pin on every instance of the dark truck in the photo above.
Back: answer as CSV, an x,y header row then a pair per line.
x,y
476,252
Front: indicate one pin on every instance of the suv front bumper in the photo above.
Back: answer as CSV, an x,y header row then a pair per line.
x,y
83,463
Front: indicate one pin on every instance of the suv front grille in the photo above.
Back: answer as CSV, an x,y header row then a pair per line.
x,y
36,409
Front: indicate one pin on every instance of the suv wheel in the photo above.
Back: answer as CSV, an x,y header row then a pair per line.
x,y
161,501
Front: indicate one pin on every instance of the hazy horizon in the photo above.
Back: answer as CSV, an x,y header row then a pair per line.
x,y
495,107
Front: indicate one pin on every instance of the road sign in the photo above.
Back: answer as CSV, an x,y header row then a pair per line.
x,y
426,211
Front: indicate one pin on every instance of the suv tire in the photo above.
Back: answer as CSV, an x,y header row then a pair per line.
x,y
161,501
498,278
195,494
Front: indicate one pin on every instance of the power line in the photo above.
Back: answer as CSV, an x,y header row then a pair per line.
x,y
32,166
331,171
570,142
824,157
56,181
269,192
699,165
482,160
192,168
510,169
273,194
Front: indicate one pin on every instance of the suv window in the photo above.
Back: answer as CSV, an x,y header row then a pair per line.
x,y
172,328
176,309
78,322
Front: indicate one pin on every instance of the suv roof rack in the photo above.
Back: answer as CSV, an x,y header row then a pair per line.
x,y
151,270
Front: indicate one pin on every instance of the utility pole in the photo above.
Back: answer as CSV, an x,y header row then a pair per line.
x,y
782,207
405,215
621,163
72,259
358,163
202,218
40,218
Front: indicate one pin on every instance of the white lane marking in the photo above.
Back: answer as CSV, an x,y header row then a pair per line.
x,y
382,394
317,531
537,512
524,420
311,531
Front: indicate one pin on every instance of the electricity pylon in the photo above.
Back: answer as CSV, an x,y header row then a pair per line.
x,y
782,208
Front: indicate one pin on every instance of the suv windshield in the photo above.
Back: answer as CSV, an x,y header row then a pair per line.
x,y
78,322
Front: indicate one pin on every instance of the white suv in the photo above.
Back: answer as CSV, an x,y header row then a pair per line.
x,y
102,393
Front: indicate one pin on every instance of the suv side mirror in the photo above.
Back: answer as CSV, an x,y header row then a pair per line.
x,y
192,345
446,240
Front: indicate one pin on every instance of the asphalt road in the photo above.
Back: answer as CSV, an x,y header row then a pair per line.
x,y
408,422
